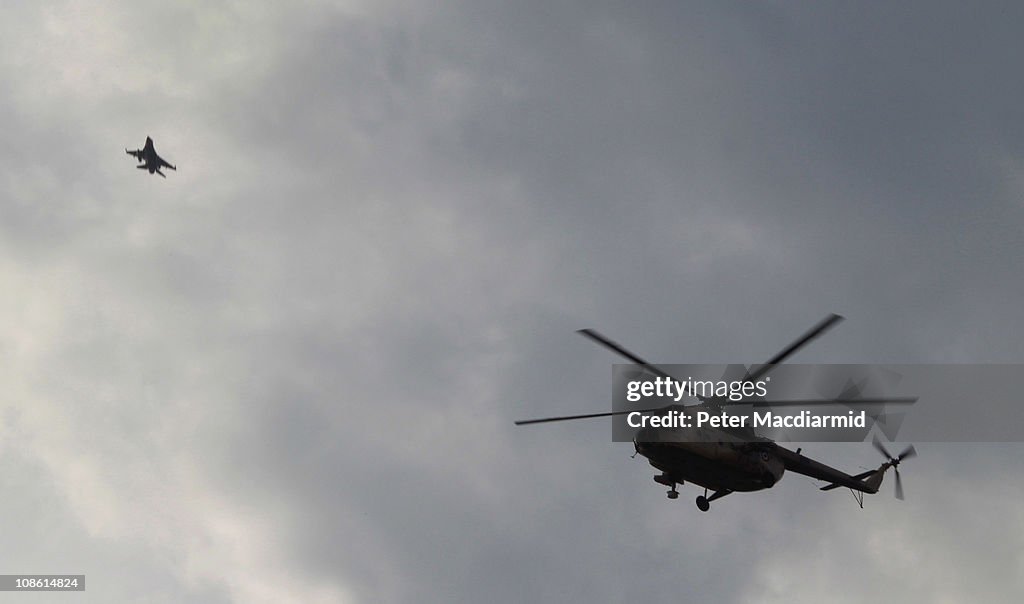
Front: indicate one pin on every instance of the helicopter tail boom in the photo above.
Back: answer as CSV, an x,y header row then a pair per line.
x,y
872,479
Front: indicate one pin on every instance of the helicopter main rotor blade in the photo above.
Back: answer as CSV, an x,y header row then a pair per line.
x,y
810,402
603,341
565,418
825,324
899,485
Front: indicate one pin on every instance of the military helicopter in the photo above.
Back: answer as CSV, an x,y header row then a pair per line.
x,y
724,461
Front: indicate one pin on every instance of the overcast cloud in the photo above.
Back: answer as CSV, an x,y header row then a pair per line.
x,y
289,371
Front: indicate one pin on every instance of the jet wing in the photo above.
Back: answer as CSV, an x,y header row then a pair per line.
x,y
815,469
161,162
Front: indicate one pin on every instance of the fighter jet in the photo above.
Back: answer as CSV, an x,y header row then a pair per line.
x,y
150,160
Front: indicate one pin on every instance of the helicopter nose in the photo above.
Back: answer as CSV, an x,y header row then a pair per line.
x,y
644,442
646,435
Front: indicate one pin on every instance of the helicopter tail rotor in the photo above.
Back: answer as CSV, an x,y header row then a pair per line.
x,y
893,462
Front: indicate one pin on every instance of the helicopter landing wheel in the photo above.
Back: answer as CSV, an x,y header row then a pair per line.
x,y
703,504
673,494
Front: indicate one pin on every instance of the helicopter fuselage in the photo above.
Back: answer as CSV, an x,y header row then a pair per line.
x,y
713,459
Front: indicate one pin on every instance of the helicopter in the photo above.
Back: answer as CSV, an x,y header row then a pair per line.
x,y
726,460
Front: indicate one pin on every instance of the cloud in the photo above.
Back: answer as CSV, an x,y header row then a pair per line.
x,y
289,371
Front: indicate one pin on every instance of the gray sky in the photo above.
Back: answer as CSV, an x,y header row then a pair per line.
x,y
289,371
